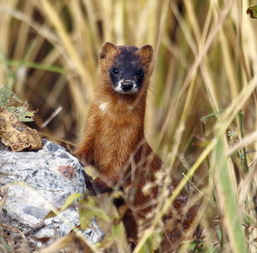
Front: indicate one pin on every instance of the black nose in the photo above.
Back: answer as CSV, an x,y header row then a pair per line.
x,y
127,85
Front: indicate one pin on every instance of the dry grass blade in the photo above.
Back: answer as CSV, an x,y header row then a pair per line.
x,y
247,140
54,18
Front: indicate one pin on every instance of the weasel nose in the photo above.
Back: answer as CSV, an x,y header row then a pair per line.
x,y
127,85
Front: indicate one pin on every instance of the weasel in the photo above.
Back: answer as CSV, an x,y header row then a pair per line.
x,y
113,140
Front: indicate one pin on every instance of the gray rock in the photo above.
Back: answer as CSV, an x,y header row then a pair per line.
x,y
36,183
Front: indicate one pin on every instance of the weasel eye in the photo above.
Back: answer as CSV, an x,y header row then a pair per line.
x,y
115,71
139,72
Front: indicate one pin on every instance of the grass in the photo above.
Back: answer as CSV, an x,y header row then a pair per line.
x,y
201,114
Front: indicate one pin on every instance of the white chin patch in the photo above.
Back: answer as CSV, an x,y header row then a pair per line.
x,y
119,89
133,90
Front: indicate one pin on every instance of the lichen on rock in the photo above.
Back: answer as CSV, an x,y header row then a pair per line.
x,y
36,183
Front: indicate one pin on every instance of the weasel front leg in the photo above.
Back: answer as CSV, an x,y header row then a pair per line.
x,y
85,153
85,150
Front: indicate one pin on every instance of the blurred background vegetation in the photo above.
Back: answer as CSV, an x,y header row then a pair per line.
x,y
202,99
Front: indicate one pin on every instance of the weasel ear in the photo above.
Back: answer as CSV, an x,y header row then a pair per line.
x,y
146,54
107,49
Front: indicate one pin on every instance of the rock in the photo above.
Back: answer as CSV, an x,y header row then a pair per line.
x,y
35,183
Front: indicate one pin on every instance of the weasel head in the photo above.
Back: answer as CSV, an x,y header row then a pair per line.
x,y
126,68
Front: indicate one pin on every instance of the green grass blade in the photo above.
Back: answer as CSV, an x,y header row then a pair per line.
x,y
34,65
227,196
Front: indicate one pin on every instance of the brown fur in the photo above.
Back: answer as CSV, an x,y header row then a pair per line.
x,y
114,140
112,136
